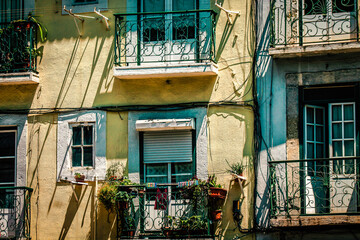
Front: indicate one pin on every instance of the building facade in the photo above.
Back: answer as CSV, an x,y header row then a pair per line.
x,y
308,92
163,88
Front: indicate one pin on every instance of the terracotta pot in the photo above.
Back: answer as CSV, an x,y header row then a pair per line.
x,y
123,204
80,179
128,233
218,192
216,215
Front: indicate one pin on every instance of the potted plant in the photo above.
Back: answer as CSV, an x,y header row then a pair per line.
x,y
123,198
235,168
194,225
169,226
216,190
79,177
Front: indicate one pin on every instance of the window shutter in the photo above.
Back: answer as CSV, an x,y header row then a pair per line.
x,y
165,147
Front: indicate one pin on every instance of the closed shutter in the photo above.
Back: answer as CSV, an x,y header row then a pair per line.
x,y
165,147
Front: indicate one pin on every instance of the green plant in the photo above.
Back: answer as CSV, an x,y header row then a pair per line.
x,y
122,196
107,195
78,175
193,223
235,168
212,181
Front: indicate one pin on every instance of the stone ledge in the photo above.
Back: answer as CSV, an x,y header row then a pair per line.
x,y
19,78
308,221
314,50
166,71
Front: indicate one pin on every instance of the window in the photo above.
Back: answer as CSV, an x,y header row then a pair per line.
x,y
11,10
82,145
330,128
162,27
315,7
168,156
7,164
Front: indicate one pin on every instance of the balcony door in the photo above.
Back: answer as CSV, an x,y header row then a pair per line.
x,y
342,143
167,36
7,179
328,20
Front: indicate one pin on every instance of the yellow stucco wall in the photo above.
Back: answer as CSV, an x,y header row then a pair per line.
x,y
77,72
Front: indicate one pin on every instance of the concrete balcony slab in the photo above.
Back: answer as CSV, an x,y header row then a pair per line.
x,y
19,78
166,71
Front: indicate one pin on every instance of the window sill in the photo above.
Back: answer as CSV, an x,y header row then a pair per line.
x,y
309,221
166,71
19,78
314,50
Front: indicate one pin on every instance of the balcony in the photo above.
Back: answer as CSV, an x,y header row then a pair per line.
x,y
173,44
18,53
315,192
15,212
313,27
170,213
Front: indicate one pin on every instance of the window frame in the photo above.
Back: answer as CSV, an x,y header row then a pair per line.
x,y
82,145
170,174
84,7
4,129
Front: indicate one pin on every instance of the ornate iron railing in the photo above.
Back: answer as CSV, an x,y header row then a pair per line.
x,y
169,212
15,212
315,187
164,37
18,47
303,22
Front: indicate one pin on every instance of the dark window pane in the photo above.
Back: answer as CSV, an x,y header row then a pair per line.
x,y
319,134
154,5
337,131
88,156
76,157
312,7
343,6
7,198
310,151
309,115
336,113
184,27
7,170
349,148
337,149
77,135
310,133
7,144
348,130
183,5
349,166
154,29
88,135
348,112
319,116
319,150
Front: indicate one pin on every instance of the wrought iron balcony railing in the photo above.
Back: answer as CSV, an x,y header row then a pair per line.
x,y
164,37
15,212
304,22
315,187
169,212
18,47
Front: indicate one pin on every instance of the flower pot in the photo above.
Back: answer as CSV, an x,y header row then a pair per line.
x,y
141,192
216,215
123,204
130,233
80,179
217,192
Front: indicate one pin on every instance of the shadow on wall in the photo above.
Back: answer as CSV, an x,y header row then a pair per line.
x,y
17,96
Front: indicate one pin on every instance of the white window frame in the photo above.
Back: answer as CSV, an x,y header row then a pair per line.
x,y
20,121
14,180
84,7
65,171
343,138
82,145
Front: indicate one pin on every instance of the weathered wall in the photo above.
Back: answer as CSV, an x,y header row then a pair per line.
x,y
76,72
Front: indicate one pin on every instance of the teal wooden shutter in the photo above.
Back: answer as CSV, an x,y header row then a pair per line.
x,y
166,147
